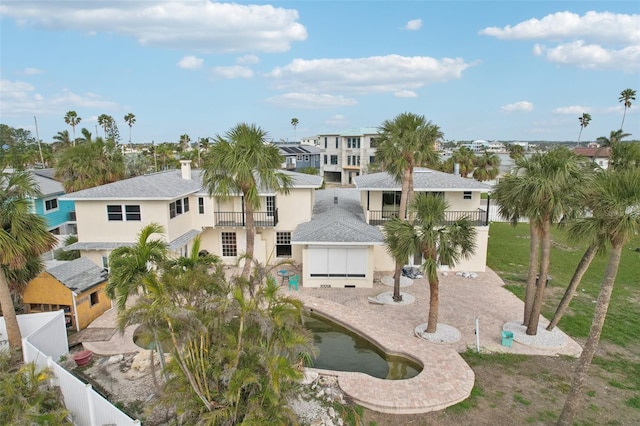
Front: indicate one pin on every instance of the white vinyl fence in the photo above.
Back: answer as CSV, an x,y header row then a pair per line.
x,y
45,342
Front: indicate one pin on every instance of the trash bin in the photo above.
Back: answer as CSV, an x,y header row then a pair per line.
x,y
507,338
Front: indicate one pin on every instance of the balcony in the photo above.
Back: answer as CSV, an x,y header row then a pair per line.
x,y
238,219
476,217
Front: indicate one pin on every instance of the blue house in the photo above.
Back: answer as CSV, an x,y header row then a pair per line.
x,y
298,156
59,214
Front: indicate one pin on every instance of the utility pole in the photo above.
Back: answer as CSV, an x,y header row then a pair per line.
x,y
38,137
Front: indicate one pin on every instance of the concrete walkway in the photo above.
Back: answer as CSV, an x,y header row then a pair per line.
x,y
445,379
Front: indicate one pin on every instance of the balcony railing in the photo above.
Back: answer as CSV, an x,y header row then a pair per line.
x,y
476,217
234,219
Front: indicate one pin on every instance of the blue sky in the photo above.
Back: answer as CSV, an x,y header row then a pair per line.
x,y
506,70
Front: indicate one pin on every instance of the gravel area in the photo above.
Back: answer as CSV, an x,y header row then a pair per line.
x,y
444,333
543,339
386,298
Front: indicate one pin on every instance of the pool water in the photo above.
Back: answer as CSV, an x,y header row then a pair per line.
x,y
342,350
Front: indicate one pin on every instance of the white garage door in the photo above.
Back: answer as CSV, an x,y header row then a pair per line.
x,y
338,261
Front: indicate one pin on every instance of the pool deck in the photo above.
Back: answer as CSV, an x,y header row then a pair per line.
x,y
446,378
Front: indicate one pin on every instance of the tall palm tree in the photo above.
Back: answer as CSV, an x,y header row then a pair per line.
x,y
439,242
184,142
129,265
626,96
615,204
487,167
241,163
62,137
22,235
584,122
544,188
406,142
105,121
130,119
72,119
294,123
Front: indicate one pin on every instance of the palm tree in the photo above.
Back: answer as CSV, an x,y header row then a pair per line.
x,y
544,188
62,137
439,242
22,235
294,123
406,142
584,122
130,119
72,119
184,142
464,158
105,121
615,203
487,167
515,151
129,265
242,163
626,96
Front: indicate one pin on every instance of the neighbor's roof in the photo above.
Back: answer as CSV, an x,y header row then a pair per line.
x,y
96,245
423,180
167,185
604,152
78,275
336,224
47,185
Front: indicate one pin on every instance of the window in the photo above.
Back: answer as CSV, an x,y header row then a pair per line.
x,y
271,205
94,298
337,142
105,263
51,204
178,207
185,204
334,159
172,210
114,212
201,205
325,158
283,244
374,143
353,143
132,212
306,158
372,159
325,143
467,195
229,246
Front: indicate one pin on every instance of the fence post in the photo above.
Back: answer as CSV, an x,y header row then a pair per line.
x,y
92,414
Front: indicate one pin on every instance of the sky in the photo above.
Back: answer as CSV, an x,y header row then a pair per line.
x,y
493,70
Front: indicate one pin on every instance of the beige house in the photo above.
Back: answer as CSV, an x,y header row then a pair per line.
x,y
110,216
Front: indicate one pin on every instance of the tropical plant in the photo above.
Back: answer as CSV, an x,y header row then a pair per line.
x,y
27,396
294,123
72,119
429,234
130,119
626,96
184,142
62,254
464,158
584,122
129,265
487,167
406,142
105,121
243,163
625,155
544,188
515,151
23,235
615,206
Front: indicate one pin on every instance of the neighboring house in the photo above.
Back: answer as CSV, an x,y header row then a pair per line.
x,y
348,154
380,200
59,213
111,216
297,156
310,140
599,155
76,287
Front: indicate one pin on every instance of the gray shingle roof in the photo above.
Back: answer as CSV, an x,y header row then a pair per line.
x,y
96,246
167,185
184,239
423,180
341,223
78,275
47,186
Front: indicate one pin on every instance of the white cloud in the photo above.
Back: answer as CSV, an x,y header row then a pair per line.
x,y
604,27
375,74
337,120
574,109
18,98
310,100
190,63
406,94
517,106
32,71
591,56
413,25
247,60
234,71
198,25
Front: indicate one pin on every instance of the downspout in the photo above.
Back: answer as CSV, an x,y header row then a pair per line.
x,y
75,310
486,221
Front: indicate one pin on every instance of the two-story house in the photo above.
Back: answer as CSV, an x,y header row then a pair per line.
x,y
347,154
111,216
298,156
58,212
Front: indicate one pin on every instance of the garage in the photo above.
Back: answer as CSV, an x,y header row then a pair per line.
x,y
340,261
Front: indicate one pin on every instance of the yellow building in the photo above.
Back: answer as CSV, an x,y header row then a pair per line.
x,y
76,287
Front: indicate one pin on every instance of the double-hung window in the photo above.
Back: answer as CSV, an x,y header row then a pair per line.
x,y
130,212
229,245
50,204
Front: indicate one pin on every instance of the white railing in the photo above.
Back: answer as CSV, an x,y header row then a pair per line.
x,y
49,341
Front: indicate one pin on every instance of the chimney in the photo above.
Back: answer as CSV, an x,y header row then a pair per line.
x,y
186,169
456,169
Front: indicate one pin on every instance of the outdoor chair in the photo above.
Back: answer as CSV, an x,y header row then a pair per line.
x,y
293,282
